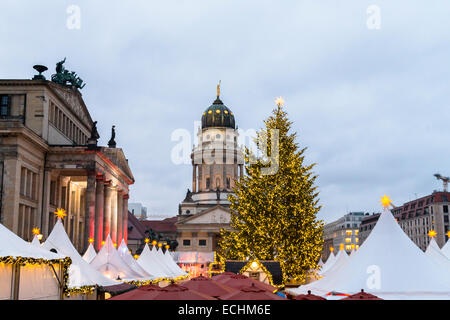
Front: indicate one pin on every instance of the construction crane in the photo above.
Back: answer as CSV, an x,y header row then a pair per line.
x,y
445,180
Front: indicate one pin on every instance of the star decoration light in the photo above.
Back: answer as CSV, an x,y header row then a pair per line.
x,y
36,231
385,201
432,233
448,234
147,240
91,240
279,101
154,242
331,249
60,213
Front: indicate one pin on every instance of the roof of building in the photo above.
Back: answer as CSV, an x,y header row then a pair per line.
x,y
218,115
273,267
370,219
136,230
166,225
415,207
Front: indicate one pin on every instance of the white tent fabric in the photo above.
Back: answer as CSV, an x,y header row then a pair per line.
x,y
35,281
36,242
328,264
446,249
109,262
340,261
192,257
14,246
167,258
436,254
389,265
158,258
132,263
90,254
148,262
80,272
320,263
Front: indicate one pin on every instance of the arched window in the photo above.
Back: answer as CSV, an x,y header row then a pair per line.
x,y
217,182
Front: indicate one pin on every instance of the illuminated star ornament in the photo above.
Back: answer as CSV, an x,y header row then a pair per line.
x,y
279,101
36,231
60,213
385,201
91,240
432,233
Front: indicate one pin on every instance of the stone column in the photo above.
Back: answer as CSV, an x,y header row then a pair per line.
x,y
119,216
107,211
194,178
99,207
241,171
46,203
89,219
114,215
125,217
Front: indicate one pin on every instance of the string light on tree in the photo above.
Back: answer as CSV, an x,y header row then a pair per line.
x,y
274,216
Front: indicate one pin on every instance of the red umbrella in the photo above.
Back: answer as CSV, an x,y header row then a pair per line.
x,y
208,286
239,280
362,296
171,292
223,275
251,292
141,293
308,296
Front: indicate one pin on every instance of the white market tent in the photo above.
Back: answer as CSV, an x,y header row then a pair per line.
x,y
166,257
446,249
110,264
389,265
90,254
320,263
36,242
188,257
36,280
126,256
436,254
81,274
148,262
328,264
341,260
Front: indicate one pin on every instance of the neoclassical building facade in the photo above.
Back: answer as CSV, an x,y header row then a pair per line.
x,y
49,159
217,162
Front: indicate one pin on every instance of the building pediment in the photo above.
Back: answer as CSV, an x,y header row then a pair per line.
x,y
72,98
214,215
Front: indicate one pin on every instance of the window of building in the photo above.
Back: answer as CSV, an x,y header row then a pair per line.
x,y
348,239
217,183
5,105
348,232
186,242
208,183
202,242
254,275
446,218
445,208
228,183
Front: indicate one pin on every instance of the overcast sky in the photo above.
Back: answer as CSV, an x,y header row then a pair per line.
x,y
371,105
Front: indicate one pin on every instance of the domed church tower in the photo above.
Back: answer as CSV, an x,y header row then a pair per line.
x,y
216,163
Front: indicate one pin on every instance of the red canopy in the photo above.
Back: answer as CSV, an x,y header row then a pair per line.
x,y
239,280
171,292
223,275
251,292
362,296
308,296
208,286
141,293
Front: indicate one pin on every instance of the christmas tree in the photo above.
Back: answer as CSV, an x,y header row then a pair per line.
x,y
275,204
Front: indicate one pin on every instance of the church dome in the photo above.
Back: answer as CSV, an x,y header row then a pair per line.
x,y
218,115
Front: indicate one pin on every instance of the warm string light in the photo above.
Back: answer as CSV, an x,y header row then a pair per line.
x,y
274,216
